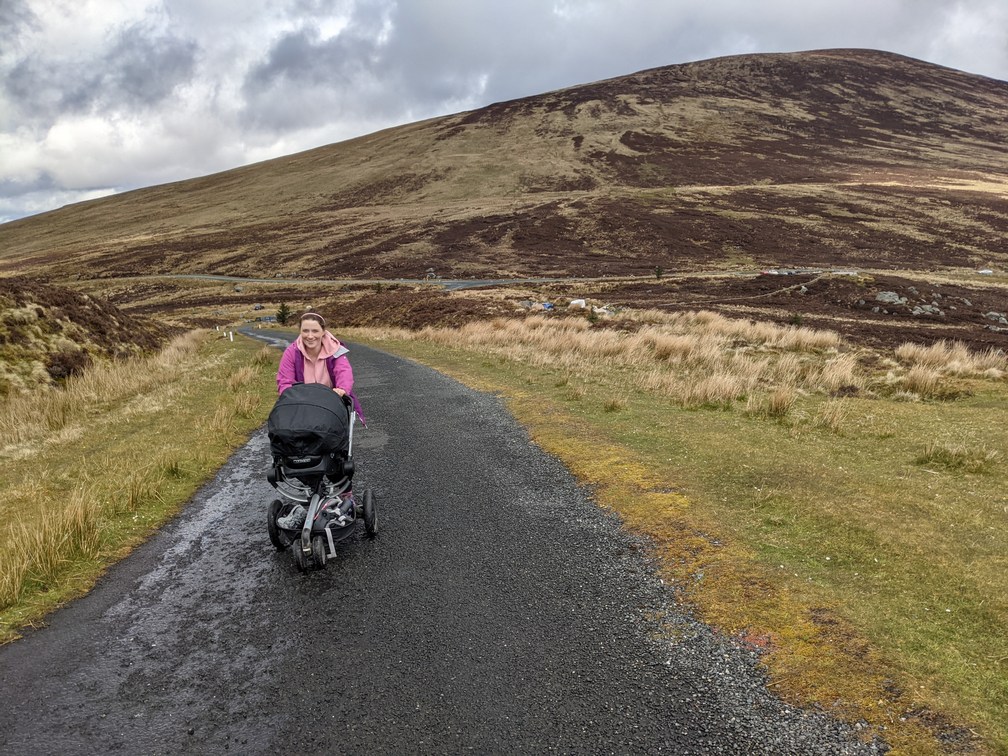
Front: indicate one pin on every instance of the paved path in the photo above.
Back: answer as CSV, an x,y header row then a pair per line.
x,y
498,611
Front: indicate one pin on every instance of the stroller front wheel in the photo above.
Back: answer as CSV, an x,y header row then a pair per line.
x,y
318,548
370,514
278,537
301,559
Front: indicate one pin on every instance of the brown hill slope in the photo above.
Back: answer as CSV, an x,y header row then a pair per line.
x,y
48,333
837,157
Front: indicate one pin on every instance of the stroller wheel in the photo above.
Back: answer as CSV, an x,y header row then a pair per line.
x,y
278,537
370,514
302,560
318,550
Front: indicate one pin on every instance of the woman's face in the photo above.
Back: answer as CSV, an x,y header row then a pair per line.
x,y
311,333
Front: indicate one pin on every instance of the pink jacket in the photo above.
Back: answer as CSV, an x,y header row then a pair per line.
x,y
296,368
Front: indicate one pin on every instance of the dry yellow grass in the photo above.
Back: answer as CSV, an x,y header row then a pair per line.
x,y
241,377
72,491
954,359
958,457
832,414
46,411
923,381
693,358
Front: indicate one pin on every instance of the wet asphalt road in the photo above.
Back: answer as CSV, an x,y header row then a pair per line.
x,y
498,611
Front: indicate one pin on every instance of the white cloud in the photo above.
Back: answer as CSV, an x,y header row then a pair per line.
x,y
32,202
973,32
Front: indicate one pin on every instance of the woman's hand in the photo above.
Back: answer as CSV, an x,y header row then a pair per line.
x,y
340,391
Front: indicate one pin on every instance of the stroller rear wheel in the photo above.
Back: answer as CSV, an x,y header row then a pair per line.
x,y
370,514
280,539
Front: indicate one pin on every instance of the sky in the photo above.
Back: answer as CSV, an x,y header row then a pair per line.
x,y
102,96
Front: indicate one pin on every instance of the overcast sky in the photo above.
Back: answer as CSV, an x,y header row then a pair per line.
x,y
100,96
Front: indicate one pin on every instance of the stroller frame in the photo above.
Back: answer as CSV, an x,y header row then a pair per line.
x,y
320,483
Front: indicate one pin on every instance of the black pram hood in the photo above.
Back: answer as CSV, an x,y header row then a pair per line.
x,y
308,419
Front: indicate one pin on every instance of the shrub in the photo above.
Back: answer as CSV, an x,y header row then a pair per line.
x,y
67,362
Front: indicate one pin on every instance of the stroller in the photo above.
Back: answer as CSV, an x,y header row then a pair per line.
x,y
310,431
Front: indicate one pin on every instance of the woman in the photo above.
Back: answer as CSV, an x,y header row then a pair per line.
x,y
316,356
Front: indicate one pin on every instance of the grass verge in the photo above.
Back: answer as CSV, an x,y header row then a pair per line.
x,y
838,535
75,492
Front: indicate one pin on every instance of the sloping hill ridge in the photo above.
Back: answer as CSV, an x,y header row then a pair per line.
x,y
49,333
848,158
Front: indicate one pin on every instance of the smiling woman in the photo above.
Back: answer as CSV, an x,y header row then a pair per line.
x,y
316,356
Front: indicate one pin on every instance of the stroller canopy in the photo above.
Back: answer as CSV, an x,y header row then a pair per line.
x,y
308,419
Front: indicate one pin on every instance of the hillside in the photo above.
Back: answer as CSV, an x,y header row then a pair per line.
x,y
48,333
839,157
825,160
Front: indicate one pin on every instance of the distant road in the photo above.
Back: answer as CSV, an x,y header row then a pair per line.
x,y
452,284
445,283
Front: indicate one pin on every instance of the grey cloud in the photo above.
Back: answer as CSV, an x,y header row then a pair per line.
x,y
144,68
319,8
389,61
305,80
15,17
43,182
140,69
416,58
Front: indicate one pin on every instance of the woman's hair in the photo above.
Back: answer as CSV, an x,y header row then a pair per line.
x,y
313,316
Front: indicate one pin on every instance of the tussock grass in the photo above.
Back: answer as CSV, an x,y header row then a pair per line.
x,y
575,394
703,359
840,373
265,356
954,358
777,405
38,548
247,405
695,359
241,377
713,391
615,404
832,415
957,457
69,507
222,421
924,381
